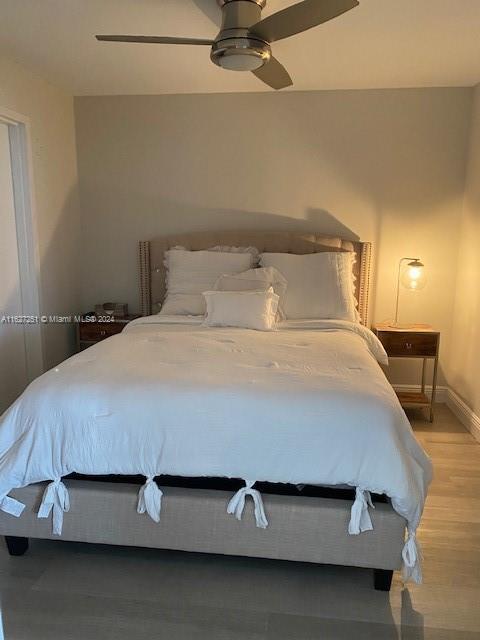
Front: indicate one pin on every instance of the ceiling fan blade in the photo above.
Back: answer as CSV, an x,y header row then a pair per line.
x,y
153,39
300,17
274,74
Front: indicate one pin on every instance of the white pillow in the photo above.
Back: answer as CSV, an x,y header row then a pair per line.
x,y
255,280
320,285
246,309
189,273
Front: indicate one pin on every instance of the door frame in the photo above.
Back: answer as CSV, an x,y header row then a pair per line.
x,y
27,237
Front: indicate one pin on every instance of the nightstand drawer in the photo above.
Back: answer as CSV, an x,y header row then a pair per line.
x,y
96,331
403,344
91,332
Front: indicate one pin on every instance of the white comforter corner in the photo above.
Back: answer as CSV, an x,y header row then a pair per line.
x,y
306,404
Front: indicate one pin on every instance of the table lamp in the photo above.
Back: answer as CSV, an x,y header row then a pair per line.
x,y
412,276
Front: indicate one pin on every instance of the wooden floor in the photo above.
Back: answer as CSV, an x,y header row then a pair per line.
x,y
78,592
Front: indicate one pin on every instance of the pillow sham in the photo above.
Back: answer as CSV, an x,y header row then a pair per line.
x,y
246,309
320,285
189,273
226,249
260,279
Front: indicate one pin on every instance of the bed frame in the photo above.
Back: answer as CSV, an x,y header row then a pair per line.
x,y
310,527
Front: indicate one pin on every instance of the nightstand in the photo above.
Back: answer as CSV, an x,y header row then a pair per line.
x,y
92,329
417,342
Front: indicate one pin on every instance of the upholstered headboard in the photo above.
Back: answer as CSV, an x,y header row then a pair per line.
x,y
153,274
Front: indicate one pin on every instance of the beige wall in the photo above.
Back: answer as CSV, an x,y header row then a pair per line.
x,y
56,195
386,166
464,374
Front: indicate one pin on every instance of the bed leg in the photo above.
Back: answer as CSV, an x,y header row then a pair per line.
x,y
382,579
16,546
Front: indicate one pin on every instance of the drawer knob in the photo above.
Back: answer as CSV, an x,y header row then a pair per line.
x,y
103,333
408,345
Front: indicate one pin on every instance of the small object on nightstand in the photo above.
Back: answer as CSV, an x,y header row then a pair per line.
x,y
116,309
92,328
420,341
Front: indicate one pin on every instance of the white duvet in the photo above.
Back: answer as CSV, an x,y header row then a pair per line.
x,y
306,404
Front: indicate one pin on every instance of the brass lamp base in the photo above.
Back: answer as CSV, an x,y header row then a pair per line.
x,y
400,325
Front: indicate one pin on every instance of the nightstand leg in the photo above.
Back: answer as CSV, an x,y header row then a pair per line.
x,y
424,368
434,387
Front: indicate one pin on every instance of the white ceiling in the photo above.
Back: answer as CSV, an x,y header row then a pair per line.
x,y
381,43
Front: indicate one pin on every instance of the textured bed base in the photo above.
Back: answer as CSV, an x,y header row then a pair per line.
x,y
300,528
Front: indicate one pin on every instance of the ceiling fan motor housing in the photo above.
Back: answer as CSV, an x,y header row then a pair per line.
x,y
259,3
234,47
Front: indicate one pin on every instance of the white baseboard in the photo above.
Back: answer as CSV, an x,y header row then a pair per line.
x,y
441,394
467,417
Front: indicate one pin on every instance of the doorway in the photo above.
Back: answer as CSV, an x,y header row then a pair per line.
x,y
20,331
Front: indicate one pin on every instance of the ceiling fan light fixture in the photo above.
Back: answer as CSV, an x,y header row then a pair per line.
x,y
241,61
240,54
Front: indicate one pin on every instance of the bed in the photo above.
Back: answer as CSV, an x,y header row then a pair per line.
x,y
291,446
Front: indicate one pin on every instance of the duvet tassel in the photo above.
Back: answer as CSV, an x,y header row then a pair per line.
x,y
150,499
360,518
237,504
55,497
11,506
412,559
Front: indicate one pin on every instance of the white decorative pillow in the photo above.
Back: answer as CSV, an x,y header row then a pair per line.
x,y
189,273
246,309
320,285
254,280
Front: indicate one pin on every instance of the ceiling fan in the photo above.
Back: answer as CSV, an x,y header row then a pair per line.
x,y
243,43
